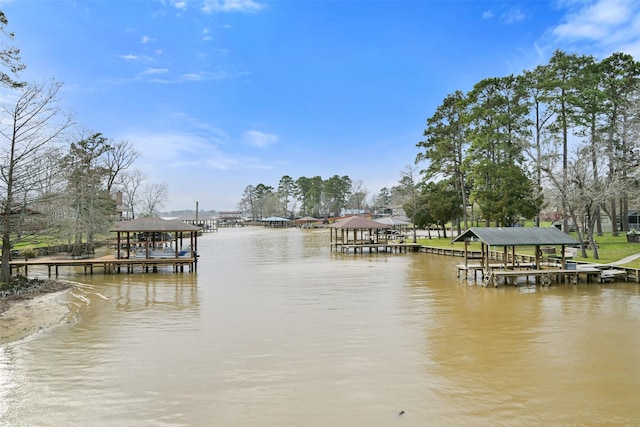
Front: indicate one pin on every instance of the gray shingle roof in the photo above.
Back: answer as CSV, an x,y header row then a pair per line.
x,y
157,225
517,236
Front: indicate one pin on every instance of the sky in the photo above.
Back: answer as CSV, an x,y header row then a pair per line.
x,y
217,95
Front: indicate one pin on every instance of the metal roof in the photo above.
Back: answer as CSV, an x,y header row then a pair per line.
x,y
358,223
274,219
156,225
517,236
390,220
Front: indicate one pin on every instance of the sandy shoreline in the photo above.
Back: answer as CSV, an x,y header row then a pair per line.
x,y
27,315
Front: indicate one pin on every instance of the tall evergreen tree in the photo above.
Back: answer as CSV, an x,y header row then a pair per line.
x,y
92,207
445,146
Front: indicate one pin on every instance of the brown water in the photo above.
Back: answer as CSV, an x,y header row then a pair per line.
x,y
276,330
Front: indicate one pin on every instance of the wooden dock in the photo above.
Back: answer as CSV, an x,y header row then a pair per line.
x,y
548,274
108,264
544,277
377,247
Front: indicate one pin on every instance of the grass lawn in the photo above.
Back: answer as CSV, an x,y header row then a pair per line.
x,y
610,249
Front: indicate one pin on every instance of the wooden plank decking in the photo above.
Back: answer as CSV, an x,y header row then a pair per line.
x,y
551,274
109,264
377,247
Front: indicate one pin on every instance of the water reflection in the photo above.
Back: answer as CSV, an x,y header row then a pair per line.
x,y
275,329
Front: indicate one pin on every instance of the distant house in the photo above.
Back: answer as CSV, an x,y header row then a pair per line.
x,y
633,216
347,212
230,215
123,213
230,219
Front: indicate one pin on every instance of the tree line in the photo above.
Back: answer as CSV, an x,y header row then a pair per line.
x,y
316,196
561,138
57,179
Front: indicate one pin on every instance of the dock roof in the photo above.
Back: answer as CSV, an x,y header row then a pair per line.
x,y
517,236
358,223
154,225
391,220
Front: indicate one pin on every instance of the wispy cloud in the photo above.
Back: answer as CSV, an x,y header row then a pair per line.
x,y
609,25
155,71
128,57
259,139
146,39
243,6
513,15
595,20
204,76
487,14
132,57
177,148
193,77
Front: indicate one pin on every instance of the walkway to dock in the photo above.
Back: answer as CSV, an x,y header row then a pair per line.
x,y
108,264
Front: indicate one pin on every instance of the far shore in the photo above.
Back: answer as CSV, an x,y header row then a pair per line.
x,y
27,314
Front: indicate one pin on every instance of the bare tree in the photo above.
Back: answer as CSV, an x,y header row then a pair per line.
x,y
358,194
154,197
28,128
129,183
583,194
119,159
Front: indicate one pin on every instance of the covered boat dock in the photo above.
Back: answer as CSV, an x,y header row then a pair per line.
x,y
510,269
146,244
358,234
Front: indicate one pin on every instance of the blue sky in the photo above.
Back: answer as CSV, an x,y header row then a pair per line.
x,y
221,94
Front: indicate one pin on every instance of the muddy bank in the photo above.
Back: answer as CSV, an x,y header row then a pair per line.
x,y
33,309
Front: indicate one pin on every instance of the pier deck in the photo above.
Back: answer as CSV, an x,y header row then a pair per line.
x,y
551,274
109,264
377,247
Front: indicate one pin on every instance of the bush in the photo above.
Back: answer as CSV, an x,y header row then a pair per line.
x,y
633,236
28,253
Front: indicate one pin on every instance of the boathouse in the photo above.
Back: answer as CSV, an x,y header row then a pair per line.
x,y
155,238
275,222
399,226
308,222
145,243
508,238
357,233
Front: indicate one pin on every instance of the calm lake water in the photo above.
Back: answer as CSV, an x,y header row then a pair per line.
x,y
276,330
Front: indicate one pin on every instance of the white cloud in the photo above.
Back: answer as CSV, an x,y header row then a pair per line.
x,y
600,27
243,6
193,77
128,57
182,5
177,149
513,15
132,57
146,39
487,14
259,139
155,71
596,20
